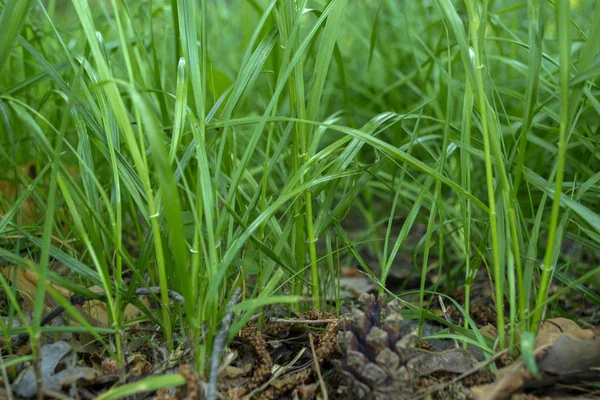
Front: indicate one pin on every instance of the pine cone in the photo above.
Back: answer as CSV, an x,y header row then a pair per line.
x,y
375,354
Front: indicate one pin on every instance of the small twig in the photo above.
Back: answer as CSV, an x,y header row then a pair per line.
x,y
218,345
122,368
275,375
72,360
317,367
302,321
9,394
54,394
447,317
101,296
37,367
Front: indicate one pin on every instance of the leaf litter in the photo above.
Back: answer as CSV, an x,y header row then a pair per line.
x,y
51,355
277,360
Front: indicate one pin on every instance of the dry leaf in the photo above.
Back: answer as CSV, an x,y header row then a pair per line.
x,y
553,328
564,353
489,330
233,372
26,283
50,356
569,357
94,311
509,380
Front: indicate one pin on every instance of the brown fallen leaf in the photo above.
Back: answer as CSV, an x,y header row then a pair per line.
x,y
349,272
233,372
553,328
489,330
26,282
564,353
96,312
509,380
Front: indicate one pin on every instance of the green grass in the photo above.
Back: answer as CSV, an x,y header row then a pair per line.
x,y
220,146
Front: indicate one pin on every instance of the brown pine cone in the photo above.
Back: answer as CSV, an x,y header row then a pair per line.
x,y
375,354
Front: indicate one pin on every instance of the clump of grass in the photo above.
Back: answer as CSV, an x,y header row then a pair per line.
x,y
217,146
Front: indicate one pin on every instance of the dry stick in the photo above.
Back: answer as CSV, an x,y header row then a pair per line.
x,y
447,317
122,368
8,390
279,372
302,321
218,345
317,367
72,363
53,394
101,296
37,367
